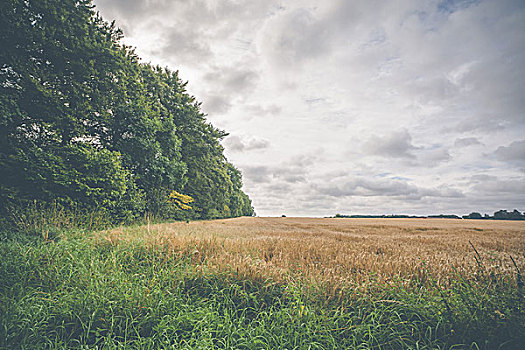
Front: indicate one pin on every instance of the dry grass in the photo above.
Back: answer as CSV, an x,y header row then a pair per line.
x,y
337,253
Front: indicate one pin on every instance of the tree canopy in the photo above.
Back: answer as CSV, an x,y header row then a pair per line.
x,y
84,123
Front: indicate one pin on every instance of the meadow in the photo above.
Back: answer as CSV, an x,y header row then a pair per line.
x,y
266,283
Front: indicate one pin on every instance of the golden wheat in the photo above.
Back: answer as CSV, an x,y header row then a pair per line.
x,y
334,253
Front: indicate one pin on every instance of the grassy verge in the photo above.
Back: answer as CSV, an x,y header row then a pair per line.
x,y
78,291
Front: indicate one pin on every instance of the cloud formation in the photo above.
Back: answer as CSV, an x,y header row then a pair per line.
x,y
398,144
239,144
513,152
384,187
353,106
466,141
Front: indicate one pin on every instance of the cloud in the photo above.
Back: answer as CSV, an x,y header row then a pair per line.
x,y
232,82
289,174
398,144
279,188
217,104
367,187
276,175
384,187
294,36
258,110
479,178
495,187
466,141
434,157
427,93
293,171
305,160
239,144
184,46
126,10
257,174
515,152
232,79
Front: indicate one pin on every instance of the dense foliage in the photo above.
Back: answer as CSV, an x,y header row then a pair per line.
x,y
84,124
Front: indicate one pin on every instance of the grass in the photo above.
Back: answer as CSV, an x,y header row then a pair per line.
x,y
255,283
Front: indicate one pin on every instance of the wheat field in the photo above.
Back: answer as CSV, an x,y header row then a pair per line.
x,y
267,283
342,253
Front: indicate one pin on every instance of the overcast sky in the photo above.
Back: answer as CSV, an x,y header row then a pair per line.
x,y
352,107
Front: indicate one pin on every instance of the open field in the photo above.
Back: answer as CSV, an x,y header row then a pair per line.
x,y
344,252
266,283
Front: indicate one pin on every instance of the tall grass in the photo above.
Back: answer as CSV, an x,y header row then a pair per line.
x,y
47,219
127,288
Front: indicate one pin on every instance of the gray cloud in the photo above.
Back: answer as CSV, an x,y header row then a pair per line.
x,y
495,187
131,15
384,187
450,7
257,174
292,171
305,160
295,36
289,175
434,157
466,141
233,83
217,104
398,144
479,178
367,187
258,110
232,79
515,152
277,175
239,144
481,122
126,10
279,188
427,93
184,46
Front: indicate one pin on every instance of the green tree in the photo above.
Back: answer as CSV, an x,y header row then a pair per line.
x,y
48,82
83,122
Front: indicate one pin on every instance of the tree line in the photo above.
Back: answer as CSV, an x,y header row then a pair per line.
x,y
499,215
85,124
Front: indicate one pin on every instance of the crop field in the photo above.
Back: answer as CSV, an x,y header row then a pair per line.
x,y
339,253
267,283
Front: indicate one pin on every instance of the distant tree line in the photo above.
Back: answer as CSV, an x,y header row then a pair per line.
x,y
499,215
85,124
401,216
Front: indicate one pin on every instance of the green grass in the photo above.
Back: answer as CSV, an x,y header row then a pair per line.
x,y
75,292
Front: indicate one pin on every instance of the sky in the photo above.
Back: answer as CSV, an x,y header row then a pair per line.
x,y
352,107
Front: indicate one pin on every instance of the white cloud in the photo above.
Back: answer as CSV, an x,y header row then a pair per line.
x,y
240,144
336,94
